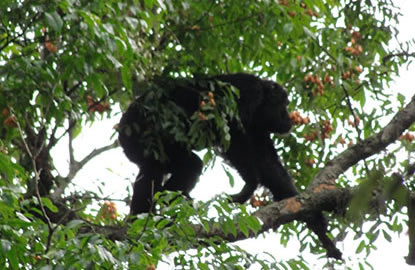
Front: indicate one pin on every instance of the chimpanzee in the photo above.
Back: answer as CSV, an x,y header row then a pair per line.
x,y
262,109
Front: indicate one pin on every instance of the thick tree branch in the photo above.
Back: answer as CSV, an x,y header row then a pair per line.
x,y
288,210
271,216
322,195
366,148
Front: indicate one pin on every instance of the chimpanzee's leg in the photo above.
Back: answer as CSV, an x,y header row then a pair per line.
x,y
147,183
242,156
273,174
185,168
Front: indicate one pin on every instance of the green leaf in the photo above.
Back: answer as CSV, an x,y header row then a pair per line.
x,y
6,166
48,203
401,99
288,27
74,223
22,217
309,33
114,61
387,236
203,266
13,258
6,245
163,223
253,223
207,157
362,99
104,254
206,225
243,227
126,77
54,21
361,246
230,227
229,175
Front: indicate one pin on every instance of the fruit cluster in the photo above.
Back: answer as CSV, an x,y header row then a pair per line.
x,y
354,122
325,129
10,120
297,119
407,137
94,106
259,200
108,211
208,100
292,13
314,81
355,48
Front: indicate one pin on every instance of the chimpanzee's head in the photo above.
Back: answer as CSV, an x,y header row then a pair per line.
x,y
273,110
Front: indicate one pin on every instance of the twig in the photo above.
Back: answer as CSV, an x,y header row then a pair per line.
x,y
32,20
356,124
401,54
37,179
76,166
95,153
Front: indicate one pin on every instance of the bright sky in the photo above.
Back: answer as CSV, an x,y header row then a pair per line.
x,y
119,173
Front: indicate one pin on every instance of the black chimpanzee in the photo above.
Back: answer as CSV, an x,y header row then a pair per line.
x,y
262,107
262,110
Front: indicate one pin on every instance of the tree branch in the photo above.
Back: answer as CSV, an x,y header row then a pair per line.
x,y
322,195
401,54
271,216
76,166
95,153
8,41
366,148
285,211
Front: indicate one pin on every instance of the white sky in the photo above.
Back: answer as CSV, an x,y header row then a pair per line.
x,y
118,169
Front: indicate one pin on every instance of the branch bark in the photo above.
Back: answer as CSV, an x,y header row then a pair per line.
x,y
366,148
288,210
321,195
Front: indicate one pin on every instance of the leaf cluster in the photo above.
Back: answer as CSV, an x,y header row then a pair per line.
x,y
61,60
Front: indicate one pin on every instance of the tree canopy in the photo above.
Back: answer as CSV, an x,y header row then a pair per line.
x,y
68,63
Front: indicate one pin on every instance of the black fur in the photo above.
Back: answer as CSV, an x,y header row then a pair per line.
x,y
262,108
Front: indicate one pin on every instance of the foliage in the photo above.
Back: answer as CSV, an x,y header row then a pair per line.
x,y
67,63
208,125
